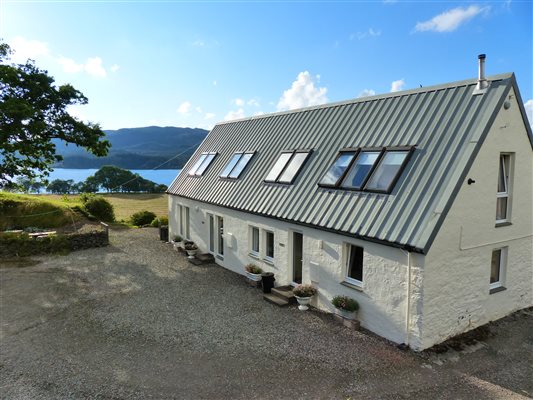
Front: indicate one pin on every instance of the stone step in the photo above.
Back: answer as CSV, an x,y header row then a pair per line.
x,y
285,292
272,298
206,257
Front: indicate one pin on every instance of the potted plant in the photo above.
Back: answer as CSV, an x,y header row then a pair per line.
x,y
303,294
191,249
346,306
253,272
177,242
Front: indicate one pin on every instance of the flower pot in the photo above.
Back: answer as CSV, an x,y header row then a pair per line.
x,y
191,253
349,315
253,277
303,302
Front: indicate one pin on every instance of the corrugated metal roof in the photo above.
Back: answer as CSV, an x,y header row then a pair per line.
x,y
446,123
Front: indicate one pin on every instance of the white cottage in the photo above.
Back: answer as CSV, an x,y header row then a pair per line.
x,y
418,204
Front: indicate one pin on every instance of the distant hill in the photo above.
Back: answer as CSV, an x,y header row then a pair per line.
x,y
137,148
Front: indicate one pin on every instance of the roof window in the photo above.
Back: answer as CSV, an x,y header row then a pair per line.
x,y
287,167
236,165
370,170
202,164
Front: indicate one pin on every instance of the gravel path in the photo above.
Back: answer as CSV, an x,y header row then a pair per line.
x,y
135,320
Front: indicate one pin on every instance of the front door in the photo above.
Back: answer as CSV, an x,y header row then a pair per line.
x,y
297,257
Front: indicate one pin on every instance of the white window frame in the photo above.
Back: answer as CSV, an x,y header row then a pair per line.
x,y
181,225
254,252
347,278
265,245
503,268
507,183
184,227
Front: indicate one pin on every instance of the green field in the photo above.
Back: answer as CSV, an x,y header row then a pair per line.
x,y
125,204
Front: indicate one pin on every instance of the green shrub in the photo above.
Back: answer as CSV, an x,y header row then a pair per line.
x,y
253,269
142,218
22,245
345,303
85,197
100,208
157,222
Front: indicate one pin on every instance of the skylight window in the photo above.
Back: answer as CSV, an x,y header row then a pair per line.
x,y
387,171
288,166
338,168
236,165
356,177
202,164
371,170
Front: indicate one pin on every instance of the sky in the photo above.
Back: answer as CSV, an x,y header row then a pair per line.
x,y
195,63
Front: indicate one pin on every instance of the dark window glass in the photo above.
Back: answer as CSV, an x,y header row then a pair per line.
x,y
337,169
269,244
495,266
255,240
355,263
360,169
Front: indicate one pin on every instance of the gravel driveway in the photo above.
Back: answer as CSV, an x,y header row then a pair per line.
x,y
135,320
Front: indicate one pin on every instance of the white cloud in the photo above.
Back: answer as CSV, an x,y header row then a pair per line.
x,y
25,49
367,92
93,67
184,107
529,111
209,116
69,65
398,85
114,68
363,35
234,115
450,20
303,93
253,102
238,102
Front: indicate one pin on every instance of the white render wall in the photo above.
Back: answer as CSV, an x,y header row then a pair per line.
x,y
457,268
383,298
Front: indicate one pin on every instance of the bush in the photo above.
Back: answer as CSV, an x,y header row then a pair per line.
x,y
100,208
22,245
157,222
253,269
345,303
85,197
304,291
178,238
142,218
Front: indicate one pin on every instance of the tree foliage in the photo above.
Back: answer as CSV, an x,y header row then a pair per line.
x,y
33,111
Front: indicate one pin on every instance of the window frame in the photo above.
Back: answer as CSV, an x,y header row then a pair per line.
x,y
347,278
382,151
500,283
251,250
193,172
241,155
266,257
292,153
508,186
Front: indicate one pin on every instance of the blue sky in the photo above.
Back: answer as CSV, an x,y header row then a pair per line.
x,y
187,63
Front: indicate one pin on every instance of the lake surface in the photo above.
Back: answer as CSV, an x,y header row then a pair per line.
x,y
162,176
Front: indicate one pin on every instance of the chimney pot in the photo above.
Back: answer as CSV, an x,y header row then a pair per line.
x,y
482,82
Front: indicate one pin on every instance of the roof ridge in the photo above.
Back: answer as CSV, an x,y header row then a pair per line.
x,y
465,82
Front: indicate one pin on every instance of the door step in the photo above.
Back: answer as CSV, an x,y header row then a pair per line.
x,y
281,296
200,259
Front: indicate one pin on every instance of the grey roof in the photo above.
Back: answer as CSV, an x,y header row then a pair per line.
x,y
446,123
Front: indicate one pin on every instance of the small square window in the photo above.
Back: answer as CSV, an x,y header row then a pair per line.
x,y
354,267
269,245
254,236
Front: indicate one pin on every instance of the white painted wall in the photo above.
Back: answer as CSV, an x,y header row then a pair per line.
x,y
383,297
457,268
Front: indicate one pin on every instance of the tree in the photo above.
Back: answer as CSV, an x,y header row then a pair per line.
x,y
113,178
90,185
59,186
33,111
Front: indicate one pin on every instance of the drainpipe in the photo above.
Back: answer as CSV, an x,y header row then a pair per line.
x,y
408,308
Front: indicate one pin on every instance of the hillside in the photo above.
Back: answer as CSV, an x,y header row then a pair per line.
x,y
137,148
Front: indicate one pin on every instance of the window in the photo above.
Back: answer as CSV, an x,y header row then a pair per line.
x,y
497,269
288,166
354,268
337,170
211,233
360,169
254,235
184,221
269,245
371,170
387,171
202,164
502,196
236,165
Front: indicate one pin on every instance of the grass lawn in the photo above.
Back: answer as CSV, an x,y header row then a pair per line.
x,y
125,204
